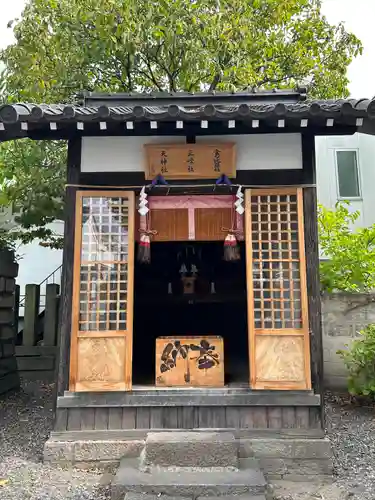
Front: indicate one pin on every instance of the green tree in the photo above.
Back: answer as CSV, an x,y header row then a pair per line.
x,y
127,45
349,253
32,176
64,46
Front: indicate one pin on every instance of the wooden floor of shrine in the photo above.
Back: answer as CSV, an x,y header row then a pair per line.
x,y
236,408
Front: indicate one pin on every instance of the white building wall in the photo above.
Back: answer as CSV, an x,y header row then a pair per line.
x,y
327,180
37,262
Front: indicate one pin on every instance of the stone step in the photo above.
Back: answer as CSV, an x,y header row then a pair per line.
x,y
236,497
190,449
146,496
187,483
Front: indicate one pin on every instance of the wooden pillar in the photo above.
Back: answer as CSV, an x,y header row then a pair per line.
x,y
73,173
312,266
308,159
313,287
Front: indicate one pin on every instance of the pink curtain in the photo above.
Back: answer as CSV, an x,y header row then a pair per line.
x,y
191,202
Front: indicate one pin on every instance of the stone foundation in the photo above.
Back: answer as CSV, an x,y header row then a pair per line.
x,y
9,377
292,458
343,315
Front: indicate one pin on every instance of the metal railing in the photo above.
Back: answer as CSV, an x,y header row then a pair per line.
x,y
53,278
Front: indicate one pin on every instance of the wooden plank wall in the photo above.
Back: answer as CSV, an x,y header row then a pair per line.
x,y
173,224
188,417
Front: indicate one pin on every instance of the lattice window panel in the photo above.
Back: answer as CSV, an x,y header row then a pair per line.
x,y
276,262
104,264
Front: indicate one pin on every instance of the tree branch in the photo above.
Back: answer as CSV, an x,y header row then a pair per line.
x,y
215,82
273,81
128,67
151,75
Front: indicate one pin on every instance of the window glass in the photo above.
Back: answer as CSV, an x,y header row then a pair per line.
x,y
347,173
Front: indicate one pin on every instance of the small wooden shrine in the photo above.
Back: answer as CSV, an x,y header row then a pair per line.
x,y
191,295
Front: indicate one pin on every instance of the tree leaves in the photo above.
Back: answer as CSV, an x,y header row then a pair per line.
x,y
175,45
348,252
359,358
32,178
66,46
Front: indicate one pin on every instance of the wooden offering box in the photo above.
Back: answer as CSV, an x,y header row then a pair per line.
x,y
190,361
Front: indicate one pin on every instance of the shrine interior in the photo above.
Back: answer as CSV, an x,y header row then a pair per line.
x,y
188,289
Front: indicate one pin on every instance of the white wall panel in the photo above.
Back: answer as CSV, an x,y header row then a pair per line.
x,y
264,151
119,154
254,152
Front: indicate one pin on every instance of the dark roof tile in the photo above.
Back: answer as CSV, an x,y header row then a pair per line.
x,y
193,107
12,113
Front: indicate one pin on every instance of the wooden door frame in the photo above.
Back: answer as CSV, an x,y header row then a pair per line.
x,y
304,332
75,333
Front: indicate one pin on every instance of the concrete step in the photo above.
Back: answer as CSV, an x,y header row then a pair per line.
x,y
236,497
191,484
190,449
145,496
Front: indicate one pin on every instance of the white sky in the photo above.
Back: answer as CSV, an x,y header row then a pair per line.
x,y
358,16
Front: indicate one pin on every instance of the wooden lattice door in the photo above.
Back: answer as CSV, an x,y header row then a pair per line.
x,y
277,295
102,314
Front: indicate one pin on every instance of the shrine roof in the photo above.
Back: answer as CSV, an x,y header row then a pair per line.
x,y
116,114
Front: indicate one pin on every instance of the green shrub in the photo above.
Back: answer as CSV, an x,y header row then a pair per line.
x,y
349,251
359,358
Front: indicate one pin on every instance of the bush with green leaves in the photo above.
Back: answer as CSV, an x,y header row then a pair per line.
x,y
349,266
348,252
359,358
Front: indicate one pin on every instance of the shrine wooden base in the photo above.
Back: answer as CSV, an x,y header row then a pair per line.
x,y
97,429
297,412
196,361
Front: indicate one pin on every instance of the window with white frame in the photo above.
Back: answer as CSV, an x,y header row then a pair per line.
x,y
348,174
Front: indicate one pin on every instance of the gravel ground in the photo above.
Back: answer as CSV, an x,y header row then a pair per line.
x,y
26,420
351,429
25,423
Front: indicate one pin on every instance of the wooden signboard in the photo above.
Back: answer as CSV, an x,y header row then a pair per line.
x,y
190,161
190,361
